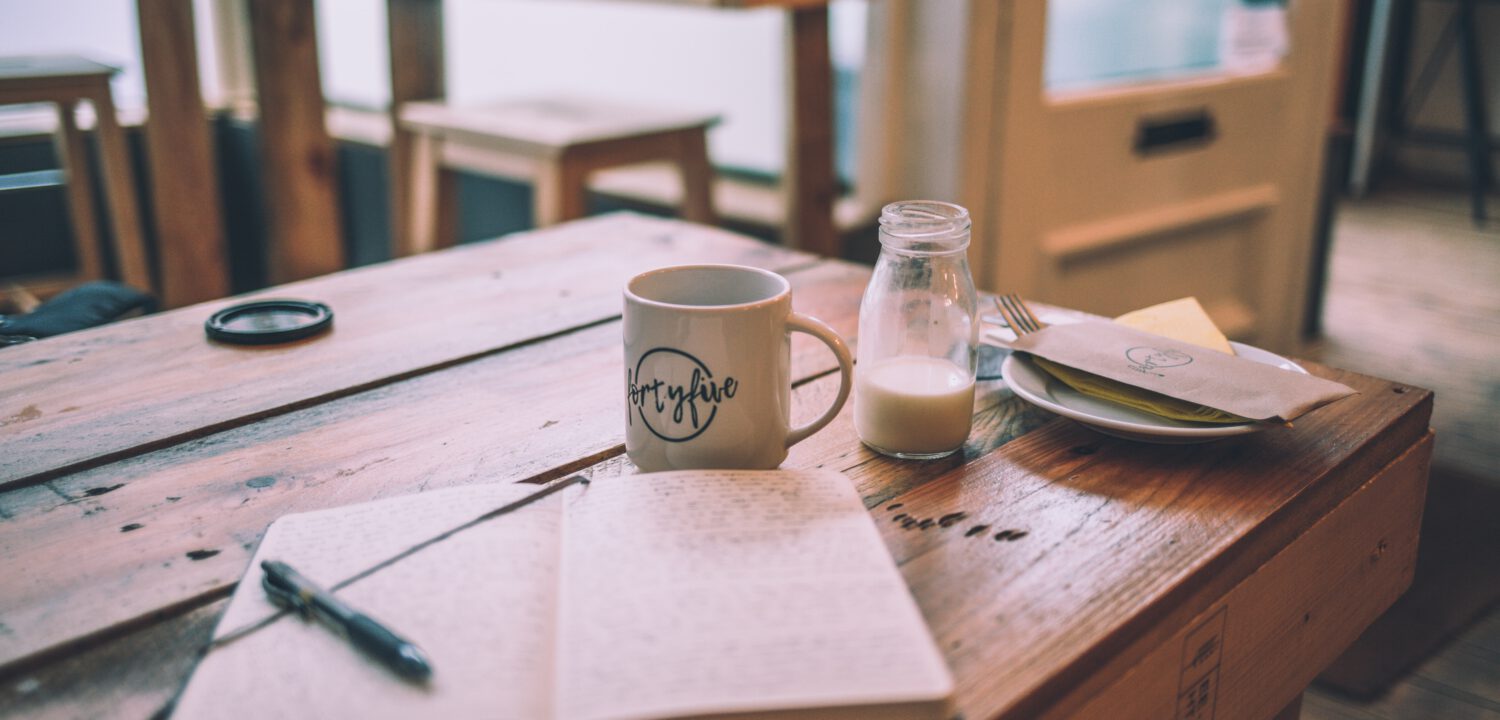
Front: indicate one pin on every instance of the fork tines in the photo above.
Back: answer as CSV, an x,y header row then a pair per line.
x,y
1016,314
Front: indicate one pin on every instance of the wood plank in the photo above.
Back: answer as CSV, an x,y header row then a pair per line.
x,y
133,677
1407,700
1136,539
180,523
86,398
1398,265
810,184
1454,585
1273,632
1124,543
1472,668
191,248
1110,234
415,33
301,181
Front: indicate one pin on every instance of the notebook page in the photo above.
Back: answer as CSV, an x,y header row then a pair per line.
x,y
718,591
480,604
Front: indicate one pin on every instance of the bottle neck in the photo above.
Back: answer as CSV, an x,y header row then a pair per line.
x,y
924,228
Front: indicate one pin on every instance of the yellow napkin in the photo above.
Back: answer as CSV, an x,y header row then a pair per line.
x,y
1183,319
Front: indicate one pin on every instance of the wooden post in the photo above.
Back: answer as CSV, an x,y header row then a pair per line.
x,y
73,151
697,174
301,181
417,73
185,200
810,186
119,189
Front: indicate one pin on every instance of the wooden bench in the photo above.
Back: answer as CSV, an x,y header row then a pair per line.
x,y
555,143
66,81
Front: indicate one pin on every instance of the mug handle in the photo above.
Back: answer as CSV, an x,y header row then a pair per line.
x,y
797,322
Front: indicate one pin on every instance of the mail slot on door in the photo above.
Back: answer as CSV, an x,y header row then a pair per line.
x,y
1182,131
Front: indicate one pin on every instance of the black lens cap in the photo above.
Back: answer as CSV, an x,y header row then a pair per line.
x,y
269,321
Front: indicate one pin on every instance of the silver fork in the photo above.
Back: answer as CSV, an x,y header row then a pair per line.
x,y
1015,313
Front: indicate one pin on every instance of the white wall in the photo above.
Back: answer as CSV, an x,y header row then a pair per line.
x,y
101,30
662,55
931,145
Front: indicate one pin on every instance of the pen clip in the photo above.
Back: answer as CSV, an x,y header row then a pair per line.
x,y
283,597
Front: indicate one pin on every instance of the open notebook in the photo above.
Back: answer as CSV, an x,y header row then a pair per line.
x,y
664,595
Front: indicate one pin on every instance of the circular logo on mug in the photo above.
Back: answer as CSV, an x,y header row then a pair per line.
x,y
674,394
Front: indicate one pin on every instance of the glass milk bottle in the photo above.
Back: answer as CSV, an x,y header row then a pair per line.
x,y
918,331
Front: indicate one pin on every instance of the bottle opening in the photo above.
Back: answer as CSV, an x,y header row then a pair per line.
x,y
924,226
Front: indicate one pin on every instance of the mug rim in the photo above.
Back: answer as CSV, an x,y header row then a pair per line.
x,y
784,291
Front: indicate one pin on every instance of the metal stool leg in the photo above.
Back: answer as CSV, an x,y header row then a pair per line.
x,y
1474,112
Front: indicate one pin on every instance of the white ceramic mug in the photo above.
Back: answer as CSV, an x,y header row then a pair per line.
x,y
708,368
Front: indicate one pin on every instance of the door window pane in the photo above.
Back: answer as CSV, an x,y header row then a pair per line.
x,y
1093,43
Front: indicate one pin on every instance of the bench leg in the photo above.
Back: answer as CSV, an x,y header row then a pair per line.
x,y
560,191
432,213
697,178
119,193
72,150
420,206
447,208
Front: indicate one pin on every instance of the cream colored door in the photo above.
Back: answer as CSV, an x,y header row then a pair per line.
x,y
1113,199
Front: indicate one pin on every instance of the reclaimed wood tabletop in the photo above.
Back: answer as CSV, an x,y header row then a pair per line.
x,y
1063,573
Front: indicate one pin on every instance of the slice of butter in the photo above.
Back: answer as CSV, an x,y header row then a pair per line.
x,y
1182,319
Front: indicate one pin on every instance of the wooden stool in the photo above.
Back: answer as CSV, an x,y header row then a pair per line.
x,y
557,143
66,81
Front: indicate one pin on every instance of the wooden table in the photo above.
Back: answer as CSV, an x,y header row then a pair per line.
x,y
1087,576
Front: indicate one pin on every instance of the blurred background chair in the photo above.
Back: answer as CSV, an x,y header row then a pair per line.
x,y
66,81
556,144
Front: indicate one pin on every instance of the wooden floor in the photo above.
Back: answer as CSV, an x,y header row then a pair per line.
x,y
1414,295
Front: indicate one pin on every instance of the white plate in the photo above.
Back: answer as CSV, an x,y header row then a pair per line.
x,y
1041,389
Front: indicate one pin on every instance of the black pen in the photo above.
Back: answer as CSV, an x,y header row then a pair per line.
x,y
287,588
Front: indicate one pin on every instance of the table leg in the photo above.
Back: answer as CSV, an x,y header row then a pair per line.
x,y
1292,711
560,191
415,34
180,153
810,187
72,151
301,179
421,194
697,177
1474,111
119,191
448,225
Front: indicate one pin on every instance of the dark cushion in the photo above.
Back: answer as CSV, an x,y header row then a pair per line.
x,y
88,305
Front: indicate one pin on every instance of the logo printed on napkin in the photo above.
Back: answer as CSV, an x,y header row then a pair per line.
x,y
1148,359
1180,370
